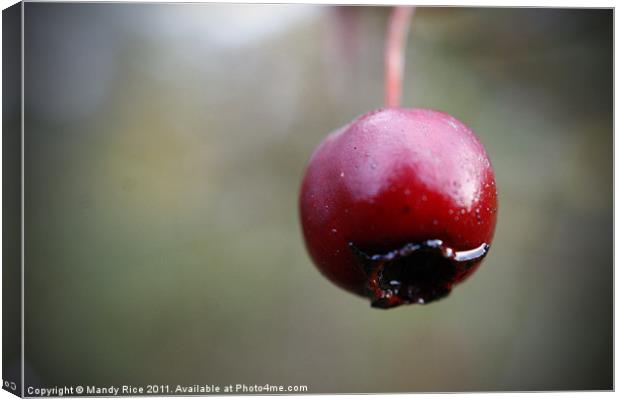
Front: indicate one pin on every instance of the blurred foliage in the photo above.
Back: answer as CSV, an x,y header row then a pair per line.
x,y
164,150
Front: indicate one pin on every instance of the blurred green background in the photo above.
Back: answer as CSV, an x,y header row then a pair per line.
x,y
164,150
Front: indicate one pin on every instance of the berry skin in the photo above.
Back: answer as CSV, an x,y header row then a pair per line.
x,y
399,205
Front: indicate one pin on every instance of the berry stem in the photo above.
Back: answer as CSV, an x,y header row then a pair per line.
x,y
398,26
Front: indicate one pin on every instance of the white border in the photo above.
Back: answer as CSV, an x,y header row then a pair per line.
x,y
450,3
480,3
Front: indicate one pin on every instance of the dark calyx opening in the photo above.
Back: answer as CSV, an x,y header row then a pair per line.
x,y
416,273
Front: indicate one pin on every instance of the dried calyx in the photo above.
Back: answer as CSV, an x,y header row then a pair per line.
x,y
416,273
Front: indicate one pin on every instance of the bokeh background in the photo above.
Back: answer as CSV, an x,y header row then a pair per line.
x,y
164,150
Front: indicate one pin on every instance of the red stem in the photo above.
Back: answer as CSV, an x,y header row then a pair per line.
x,y
398,27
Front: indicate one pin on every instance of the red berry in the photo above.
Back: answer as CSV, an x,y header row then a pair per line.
x,y
399,205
